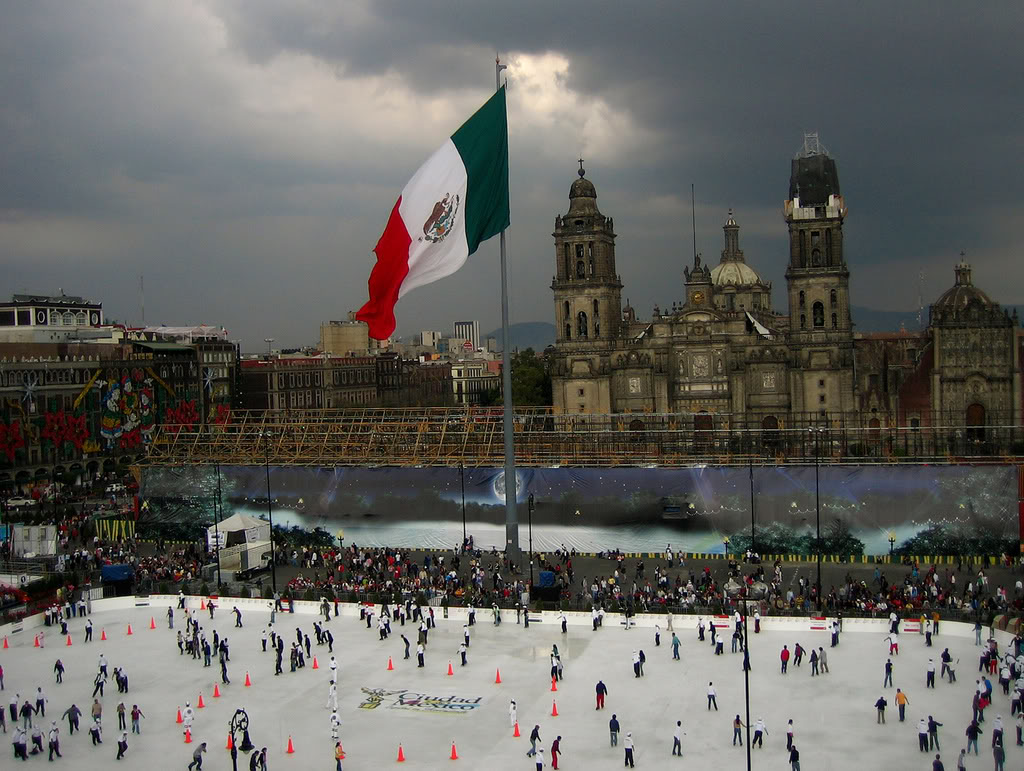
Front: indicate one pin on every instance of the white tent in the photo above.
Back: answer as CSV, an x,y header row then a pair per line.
x,y
238,529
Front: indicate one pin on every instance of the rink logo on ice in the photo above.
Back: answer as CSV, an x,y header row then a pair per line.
x,y
419,702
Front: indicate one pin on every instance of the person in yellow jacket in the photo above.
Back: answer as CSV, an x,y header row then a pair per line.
x,y
901,701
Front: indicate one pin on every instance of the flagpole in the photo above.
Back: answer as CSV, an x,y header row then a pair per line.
x,y
511,521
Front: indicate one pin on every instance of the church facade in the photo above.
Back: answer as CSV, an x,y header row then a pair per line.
x,y
724,358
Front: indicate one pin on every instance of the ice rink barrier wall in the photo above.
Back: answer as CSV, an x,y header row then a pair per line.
x,y
802,624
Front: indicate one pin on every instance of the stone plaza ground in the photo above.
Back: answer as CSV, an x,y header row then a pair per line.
x,y
834,717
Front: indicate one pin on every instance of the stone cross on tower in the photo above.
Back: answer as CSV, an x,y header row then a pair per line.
x,y
581,171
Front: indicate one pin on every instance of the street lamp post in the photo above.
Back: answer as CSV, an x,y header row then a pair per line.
x,y
462,479
216,525
817,512
746,667
725,543
753,545
270,510
892,542
529,509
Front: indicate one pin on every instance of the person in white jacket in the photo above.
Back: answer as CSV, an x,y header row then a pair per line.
x,y
627,745
512,718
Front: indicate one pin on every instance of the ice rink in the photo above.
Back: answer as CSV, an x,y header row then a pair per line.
x,y
833,715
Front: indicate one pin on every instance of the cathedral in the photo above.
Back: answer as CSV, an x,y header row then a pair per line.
x,y
724,358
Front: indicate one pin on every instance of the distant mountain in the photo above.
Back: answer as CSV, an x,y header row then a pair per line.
x,y
537,335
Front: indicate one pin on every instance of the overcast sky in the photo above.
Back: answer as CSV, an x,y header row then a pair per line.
x,y
244,155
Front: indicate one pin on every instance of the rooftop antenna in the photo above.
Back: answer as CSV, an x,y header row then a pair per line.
x,y
693,221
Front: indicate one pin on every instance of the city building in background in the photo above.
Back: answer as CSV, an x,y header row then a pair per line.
x,y
723,359
468,331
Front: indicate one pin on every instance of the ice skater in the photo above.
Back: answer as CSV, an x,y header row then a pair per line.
x,y
888,674
759,733
122,745
901,703
332,697
677,739
601,691
628,746
712,697
534,738
613,730
737,734
512,714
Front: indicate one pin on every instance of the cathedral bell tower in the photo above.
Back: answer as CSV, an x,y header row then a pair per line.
x,y
588,304
818,281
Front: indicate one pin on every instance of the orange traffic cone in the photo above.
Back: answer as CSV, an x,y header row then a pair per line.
x,y
179,720
554,709
103,634
315,665
69,641
6,646
129,629
216,691
152,623
36,644
188,736
248,682
455,755
231,742
554,686
291,748
202,603
201,703
497,677
390,665
401,755
515,733
450,670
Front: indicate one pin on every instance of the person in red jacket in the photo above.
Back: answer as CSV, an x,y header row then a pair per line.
x,y
555,750
784,656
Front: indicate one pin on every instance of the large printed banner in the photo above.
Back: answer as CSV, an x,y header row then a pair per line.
x,y
934,509
419,702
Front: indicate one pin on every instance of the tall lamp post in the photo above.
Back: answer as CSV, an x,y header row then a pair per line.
x,y
216,525
753,544
815,433
892,542
462,479
529,508
270,508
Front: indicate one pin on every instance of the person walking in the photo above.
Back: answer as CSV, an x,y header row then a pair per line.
x,y
136,716
197,758
602,691
880,706
556,749
737,734
72,713
534,738
933,733
122,745
937,763
789,734
888,674
784,657
922,735
677,739
675,647
759,733
973,732
930,676
901,703
999,756
822,660
613,730
814,662
961,762
54,740
794,758
512,714
712,697
627,744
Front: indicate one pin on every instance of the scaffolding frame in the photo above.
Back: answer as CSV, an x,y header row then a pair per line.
x,y
472,436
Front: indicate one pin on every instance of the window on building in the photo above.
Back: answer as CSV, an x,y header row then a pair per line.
x,y
307,378
816,257
818,311
595,309
581,325
803,249
803,321
291,380
590,249
579,226
591,266
803,300
579,392
832,298
568,331
821,384
815,236
915,423
821,398
581,269
565,309
873,382
835,321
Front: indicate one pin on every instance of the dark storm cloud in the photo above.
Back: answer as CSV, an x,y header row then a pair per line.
x,y
244,155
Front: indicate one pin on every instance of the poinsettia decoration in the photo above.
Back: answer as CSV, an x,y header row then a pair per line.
x,y
222,414
184,415
61,427
11,439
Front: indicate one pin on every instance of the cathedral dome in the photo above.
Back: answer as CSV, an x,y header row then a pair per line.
x,y
582,188
734,273
963,293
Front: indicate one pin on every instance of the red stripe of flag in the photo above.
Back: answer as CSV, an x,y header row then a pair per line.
x,y
386,278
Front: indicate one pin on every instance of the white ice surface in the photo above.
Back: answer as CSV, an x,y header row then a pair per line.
x,y
833,715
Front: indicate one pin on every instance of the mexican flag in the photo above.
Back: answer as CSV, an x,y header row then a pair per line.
x,y
457,199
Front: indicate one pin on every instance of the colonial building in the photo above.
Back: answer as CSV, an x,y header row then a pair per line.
x,y
723,358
